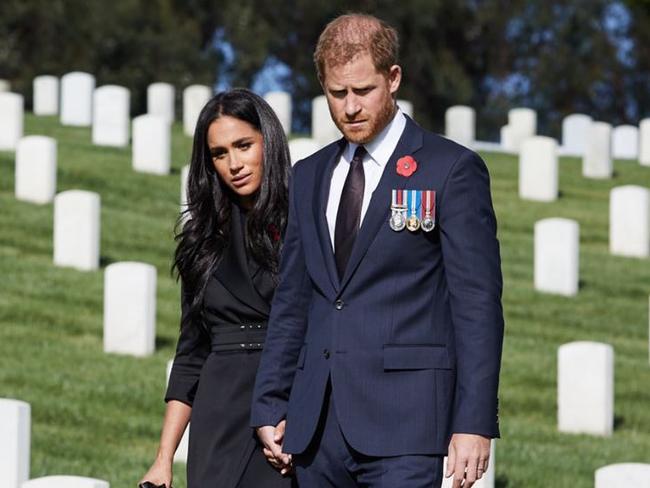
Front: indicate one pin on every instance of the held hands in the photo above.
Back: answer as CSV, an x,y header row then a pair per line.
x,y
272,438
160,473
468,459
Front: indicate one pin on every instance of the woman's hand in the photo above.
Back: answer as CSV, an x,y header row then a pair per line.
x,y
177,415
160,473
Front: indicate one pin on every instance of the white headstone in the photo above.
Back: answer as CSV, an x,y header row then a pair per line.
x,y
557,256
597,160
280,102
111,116
460,124
46,95
575,128
629,221
151,144
538,169
406,107
160,100
486,481
180,456
488,146
644,142
194,99
585,388
507,138
130,308
625,142
76,229
77,99
323,129
5,86
15,441
65,482
36,169
523,124
301,147
623,475
12,119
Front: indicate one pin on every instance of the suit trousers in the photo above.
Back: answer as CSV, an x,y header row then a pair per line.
x,y
330,462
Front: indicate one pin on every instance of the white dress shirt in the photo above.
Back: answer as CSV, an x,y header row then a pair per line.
x,y
379,151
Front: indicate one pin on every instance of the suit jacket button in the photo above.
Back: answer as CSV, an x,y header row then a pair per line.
x,y
326,353
339,304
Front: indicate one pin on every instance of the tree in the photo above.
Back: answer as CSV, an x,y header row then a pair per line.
x,y
447,47
554,56
639,53
125,42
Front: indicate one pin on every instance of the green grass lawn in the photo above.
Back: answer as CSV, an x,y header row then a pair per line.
x,y
99,415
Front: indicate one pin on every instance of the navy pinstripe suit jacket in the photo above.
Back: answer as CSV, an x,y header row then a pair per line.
x,y
411,336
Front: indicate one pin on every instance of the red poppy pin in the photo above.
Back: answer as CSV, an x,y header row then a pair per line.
x,y
274,233
406,166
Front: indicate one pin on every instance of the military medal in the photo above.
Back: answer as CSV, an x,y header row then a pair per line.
x,y
413,205
429,210
398,211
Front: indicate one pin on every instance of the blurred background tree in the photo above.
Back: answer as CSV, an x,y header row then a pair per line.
x,y
558,57
125,42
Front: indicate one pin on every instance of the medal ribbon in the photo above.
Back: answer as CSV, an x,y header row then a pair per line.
x,y
415,197
429,205
397,199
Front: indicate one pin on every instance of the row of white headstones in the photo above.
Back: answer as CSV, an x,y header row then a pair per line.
x,y
15,426
557,240
581,135
107,110
77,225
585,369
132,286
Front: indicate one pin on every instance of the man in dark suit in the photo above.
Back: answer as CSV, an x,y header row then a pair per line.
x,y
384,343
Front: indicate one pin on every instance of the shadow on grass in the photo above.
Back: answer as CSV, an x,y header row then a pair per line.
x,y
105,261
165,342
619,422
501,482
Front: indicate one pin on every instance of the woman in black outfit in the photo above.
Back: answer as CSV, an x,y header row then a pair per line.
x,y
227,260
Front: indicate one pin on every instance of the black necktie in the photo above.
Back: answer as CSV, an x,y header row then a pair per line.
x,y
349,213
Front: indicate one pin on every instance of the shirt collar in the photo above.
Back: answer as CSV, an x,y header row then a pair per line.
x,y
382,147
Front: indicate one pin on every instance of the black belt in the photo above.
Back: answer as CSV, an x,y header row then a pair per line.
x,y
238,337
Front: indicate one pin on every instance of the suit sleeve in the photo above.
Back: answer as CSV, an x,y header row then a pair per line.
x,y
191,352
286,329
472,264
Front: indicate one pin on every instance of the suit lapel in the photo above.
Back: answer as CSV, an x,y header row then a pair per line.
x,y
321,194
379,207
233,271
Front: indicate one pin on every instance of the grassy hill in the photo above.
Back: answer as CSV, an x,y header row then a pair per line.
x,y
99,415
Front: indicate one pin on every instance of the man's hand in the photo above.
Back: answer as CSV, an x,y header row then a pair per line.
x,y
272,438
468,459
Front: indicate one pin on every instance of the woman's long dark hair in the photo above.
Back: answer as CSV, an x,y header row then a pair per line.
x,y
203,229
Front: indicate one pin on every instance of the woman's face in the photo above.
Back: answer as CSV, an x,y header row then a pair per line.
x,y
237,155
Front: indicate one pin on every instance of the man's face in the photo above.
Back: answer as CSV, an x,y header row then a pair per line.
x,y
360,98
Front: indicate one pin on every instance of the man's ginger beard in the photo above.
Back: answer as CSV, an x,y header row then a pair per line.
x,y
375,124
